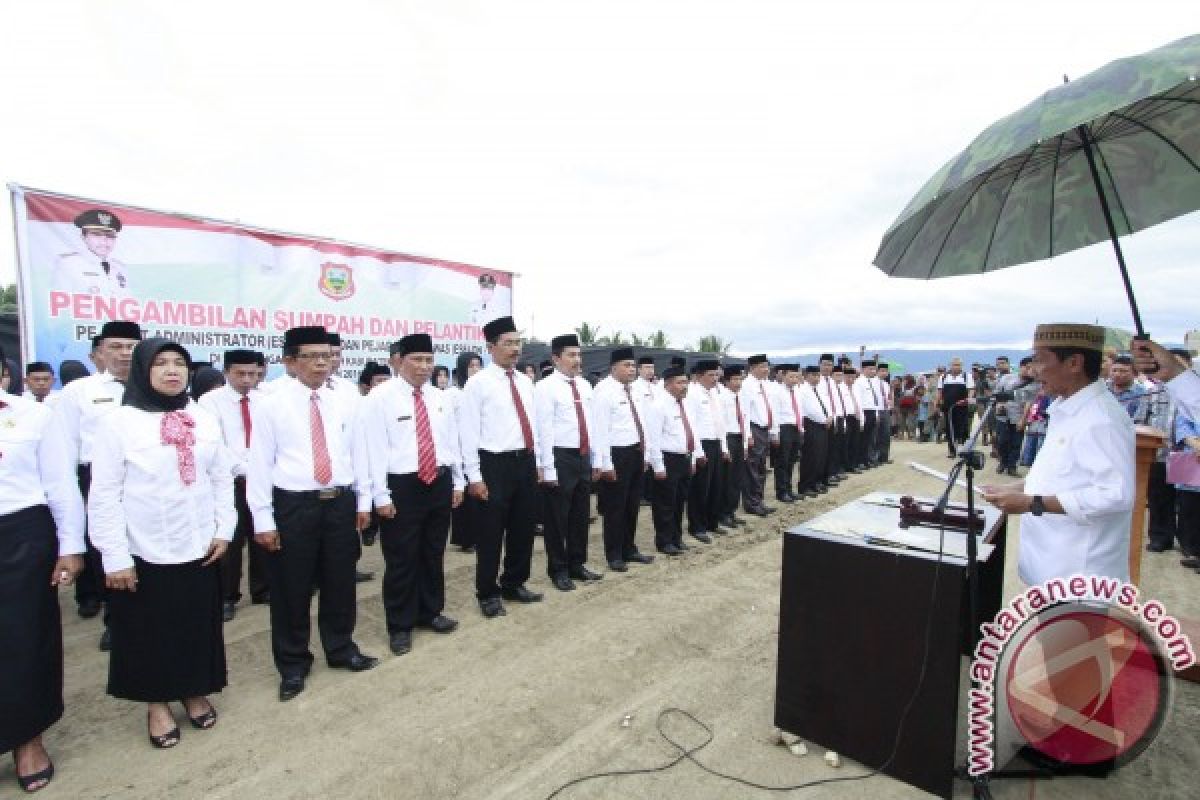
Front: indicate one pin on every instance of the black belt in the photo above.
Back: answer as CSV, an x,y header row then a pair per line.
x,y
440,472
328,493
522,453
634,446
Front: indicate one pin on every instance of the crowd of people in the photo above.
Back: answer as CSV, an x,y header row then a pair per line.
x,y
152,482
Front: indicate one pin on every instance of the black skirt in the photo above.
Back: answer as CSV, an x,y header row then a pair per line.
x,y
31,667
167,637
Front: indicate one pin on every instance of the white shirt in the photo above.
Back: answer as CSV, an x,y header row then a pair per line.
x,y
50,398
884,387
487,416
615,425
225,404
1087,462
850,401
81,406
649,391
810,404
281,452
705,413
390,427
82,272
785,410
963,378
1185,389
37,466
755,402
730,402
867,394
346,390
827,388
558,424
139,506
665,432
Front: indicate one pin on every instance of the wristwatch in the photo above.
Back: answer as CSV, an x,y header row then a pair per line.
x,y
1036,506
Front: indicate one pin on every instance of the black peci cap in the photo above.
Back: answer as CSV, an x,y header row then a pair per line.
x,y
120,329
498,327
308,334
621,354
566,340
232,357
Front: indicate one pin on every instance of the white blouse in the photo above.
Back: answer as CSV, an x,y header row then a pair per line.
x,y
138,504
37,466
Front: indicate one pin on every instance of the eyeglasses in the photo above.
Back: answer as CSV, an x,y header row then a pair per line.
x,y
315,356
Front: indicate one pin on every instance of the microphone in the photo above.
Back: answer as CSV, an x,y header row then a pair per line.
x,y
1010,395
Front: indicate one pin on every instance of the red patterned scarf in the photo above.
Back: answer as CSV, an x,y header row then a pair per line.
x,y
177,431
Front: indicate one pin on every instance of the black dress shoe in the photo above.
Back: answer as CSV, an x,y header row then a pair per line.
x,y
440,624
368,536
356,663
90,608
585,574
670,550
639,558
363,577
400,642
785,498
562,583
618,566
106,640
492,607
260,599
769,509
758,512
1158,547
701,536
466,548
1191,562
289,688
681,546
738,522
796,496
228,611
520,594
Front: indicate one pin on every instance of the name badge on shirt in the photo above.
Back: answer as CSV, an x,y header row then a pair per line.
x,y
405,418
102,400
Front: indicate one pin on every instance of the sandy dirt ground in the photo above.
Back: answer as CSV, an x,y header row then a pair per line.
x,y
510,709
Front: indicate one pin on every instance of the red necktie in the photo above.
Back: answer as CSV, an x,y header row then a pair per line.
x,y
687,428
836,405
766,404
583,431
737,404
791,390
636,419
247,425
322,466
427,467
526,430
854,397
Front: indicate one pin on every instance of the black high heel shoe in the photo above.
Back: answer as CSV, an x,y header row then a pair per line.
x,y
27,781
165,741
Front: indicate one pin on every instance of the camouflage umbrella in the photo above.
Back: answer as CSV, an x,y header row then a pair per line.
x,y
1109,154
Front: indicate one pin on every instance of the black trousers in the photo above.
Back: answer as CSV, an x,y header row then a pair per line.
x,y
835,458
883,436
568,508
89,585
959,417
1008,442
851,442
464,522
787,455
812,459
1189,522
1162,502
414,547
867,453
620,501
319,548
735,474
670,497
231,562
703,489
755,474
506,521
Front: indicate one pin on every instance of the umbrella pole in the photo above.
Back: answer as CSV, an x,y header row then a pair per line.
x,y
1086,138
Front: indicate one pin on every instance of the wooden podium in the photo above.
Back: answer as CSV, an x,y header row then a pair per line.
x,y
853,620
1148,442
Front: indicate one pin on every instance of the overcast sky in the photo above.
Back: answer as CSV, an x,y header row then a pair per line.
x,y
704,167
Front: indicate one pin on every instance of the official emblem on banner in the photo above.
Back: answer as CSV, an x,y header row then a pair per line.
x,y
336,281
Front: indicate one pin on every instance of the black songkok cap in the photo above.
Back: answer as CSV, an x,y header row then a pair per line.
x,y
415,343
826,357
335,340
782,368
38,366
754,361
882,365
308,334
646,360
370,370
621,354
812,370
850,370
1026,360
98,219
733,372
232,357
120,329
498,327
566,340
707,365
678,361
868,363
96,340
837,367
673,372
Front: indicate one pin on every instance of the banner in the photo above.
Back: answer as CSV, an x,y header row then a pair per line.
x,y
213,286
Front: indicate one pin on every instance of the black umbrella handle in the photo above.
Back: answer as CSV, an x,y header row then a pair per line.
x,y
1086,138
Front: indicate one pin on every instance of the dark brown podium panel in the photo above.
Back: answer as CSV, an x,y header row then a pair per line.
x,y
852,636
